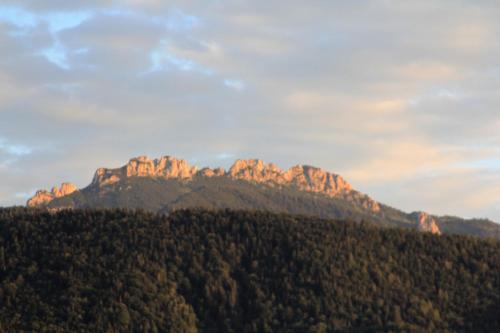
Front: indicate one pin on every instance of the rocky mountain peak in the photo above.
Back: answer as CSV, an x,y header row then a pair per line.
x,y
189,187
166,166
43,197
302,177
65,189
426,223
316,180
255,170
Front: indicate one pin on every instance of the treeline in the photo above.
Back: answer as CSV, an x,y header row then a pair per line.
x,y
238,271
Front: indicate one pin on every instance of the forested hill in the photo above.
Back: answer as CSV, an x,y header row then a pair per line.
x,y
238,271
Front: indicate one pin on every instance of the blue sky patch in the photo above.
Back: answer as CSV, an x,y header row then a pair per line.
x,y
15,150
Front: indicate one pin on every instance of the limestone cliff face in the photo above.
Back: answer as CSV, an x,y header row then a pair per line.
x,y
426,223
256,171
103,177
43,197
305,178
301,177
166,167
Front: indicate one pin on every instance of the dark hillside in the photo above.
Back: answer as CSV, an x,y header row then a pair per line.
x,y
238,271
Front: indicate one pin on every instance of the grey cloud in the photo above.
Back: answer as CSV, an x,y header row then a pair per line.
x,y
356,88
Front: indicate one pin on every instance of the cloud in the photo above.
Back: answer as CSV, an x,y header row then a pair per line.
x,y
234,84
401,98
162,58
19,18
59,21
16,150
11,153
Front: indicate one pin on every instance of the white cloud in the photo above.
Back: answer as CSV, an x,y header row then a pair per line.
x,y
397,96
234,84
163,59
14,149
57,54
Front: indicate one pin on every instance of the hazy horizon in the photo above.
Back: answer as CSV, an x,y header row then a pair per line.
x,y
401,99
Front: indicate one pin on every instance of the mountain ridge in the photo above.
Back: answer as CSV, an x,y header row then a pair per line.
x,y
304,177
167,183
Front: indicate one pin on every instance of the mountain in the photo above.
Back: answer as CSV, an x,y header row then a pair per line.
x,y
238,271
166,184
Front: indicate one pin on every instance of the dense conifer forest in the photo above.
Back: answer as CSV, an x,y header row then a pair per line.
x,y
238,271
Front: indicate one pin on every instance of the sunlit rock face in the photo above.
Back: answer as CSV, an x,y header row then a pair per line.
x,y
166,167
65,189
426,223
306,178
43,197
313,179
256,171
207,172
103,177
301,177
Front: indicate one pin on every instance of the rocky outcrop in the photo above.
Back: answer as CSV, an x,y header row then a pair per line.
x,y
103,177
65,189
255,171
426,223
301,177
166,167
304,177
207,172
313,179
42,197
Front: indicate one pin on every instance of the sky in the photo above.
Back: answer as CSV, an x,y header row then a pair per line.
x,y
401,98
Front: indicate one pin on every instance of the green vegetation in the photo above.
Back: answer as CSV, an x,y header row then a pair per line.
x,y
238,271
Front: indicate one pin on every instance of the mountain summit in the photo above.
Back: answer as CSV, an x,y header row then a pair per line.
x,y
300,177
168,183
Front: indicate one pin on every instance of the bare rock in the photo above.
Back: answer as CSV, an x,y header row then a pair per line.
x,y
426,223
208,172
42,197
166,167
302,177
313,179
103,177
256,171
